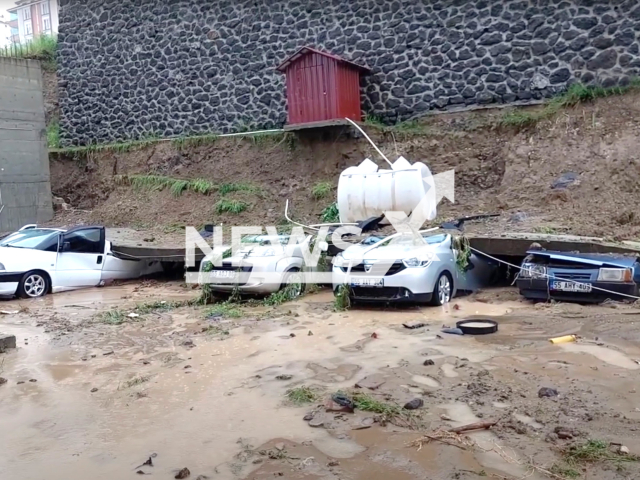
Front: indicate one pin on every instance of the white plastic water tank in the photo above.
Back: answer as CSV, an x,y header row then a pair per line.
x,y
366,191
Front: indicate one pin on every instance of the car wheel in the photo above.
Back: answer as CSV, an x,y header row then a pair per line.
x,y
33,285
443,291
293,282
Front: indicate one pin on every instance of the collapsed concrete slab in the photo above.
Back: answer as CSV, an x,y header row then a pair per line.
x,y
7,342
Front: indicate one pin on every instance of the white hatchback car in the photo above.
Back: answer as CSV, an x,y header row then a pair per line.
x,y
406,268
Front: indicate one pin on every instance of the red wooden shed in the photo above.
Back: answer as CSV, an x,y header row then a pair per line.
x,y
322,88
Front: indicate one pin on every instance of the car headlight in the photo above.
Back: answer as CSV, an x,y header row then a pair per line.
x,y
339,260
418,262
532,270
615,275
2,267
269,252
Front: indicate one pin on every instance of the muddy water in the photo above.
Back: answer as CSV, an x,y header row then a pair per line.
x,y
199,407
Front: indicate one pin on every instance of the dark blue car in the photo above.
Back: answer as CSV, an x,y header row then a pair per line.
x,y
578,277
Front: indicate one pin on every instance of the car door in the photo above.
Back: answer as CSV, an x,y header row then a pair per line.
x,y
80,257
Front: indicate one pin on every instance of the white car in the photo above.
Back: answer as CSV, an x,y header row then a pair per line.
x,y
262,265
36,261
407,268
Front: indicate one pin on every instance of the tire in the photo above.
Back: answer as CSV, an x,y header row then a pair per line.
x,y
443,291
292,277
34,284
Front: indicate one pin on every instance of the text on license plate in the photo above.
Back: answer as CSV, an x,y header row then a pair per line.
x,y
570,286
223,273
367,282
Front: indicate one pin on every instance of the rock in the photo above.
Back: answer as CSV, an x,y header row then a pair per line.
x,y
339,403
188,343
446,418
284,377
564,180
184,473
517,217
292,335
20,382
94,390
539,82
547,392
3,381
7,342
428,362
623,450
310,334
372,382
414,404
308,417
565,433
187,366
316,421
33,380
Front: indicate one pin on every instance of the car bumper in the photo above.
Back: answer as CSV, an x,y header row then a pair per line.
x,y
538,289
409,285
9,283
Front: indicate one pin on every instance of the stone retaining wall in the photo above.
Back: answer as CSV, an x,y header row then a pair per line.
x,y
135,68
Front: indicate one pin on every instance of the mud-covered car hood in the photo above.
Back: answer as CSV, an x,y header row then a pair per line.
x,y
594,259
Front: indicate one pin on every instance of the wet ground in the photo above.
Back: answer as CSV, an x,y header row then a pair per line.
x,y
97,386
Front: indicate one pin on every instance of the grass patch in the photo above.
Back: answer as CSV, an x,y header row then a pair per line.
x,y
321,190
564,471
53,133
226,188
374,121
281,296
593,451
369,403
134,381
546,230
331,214
177,186
42,47
302,395
225,310
406,128
234,207
112,317
575,95
158,306
194,141
341,301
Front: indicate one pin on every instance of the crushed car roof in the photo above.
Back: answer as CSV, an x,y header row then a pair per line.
x,y
597,259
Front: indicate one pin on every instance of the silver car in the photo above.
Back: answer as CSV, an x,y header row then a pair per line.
x,y
411,268
262,265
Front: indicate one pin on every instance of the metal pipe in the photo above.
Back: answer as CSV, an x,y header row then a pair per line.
x,y
370,141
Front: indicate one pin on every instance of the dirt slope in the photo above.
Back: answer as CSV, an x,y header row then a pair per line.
x,y
503,170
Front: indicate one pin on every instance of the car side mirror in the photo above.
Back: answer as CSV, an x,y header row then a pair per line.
x,y
65,247
324,246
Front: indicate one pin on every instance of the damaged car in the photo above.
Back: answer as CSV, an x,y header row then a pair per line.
x,y
36,261
578,277
426,268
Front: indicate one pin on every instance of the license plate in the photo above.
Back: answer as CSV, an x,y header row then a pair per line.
x,y
570,286
367,282
223,273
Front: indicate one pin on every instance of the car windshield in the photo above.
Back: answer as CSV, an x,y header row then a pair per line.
x,y
27,238
409,239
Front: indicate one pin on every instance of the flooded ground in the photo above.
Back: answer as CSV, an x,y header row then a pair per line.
x,y
104,379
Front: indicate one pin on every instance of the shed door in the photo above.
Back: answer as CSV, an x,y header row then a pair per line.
x,y
313,102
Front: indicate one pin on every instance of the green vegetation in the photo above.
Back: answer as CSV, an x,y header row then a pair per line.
x,y
226,188
134,381
575,95
593,451
207,296
177,186
225,310
369,403
321,190
42,47
194,141
463,247
342,302
112,317
158,306
564,471
234,207
331,214
545,229
302,395
283,295
406,128
53,133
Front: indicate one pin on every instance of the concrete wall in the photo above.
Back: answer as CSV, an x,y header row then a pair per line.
x,y
25,188
134,68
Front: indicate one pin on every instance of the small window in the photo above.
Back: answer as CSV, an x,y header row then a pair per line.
x,y
28,28
26,14
44,8
87,240
46,24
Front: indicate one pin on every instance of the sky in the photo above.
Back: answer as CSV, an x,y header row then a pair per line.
x,y
4,15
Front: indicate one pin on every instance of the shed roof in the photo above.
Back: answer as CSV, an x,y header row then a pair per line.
x,y
307,50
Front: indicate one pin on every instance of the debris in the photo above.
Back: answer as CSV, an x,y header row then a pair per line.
x,y
452,331
133,315
188,343
310,334
309,416
292,335
7,342
9,312
517,217
202,477
109,353
372,382
414,404
456,306
344,403
3,381
445,417
623,450
33,380
374,335
475,426
279,446
333,463
564,339
284,377
184,473
478,326
428,362
316,422
413,326
565,433
20,382
140,472
547,392
94,390
564,180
